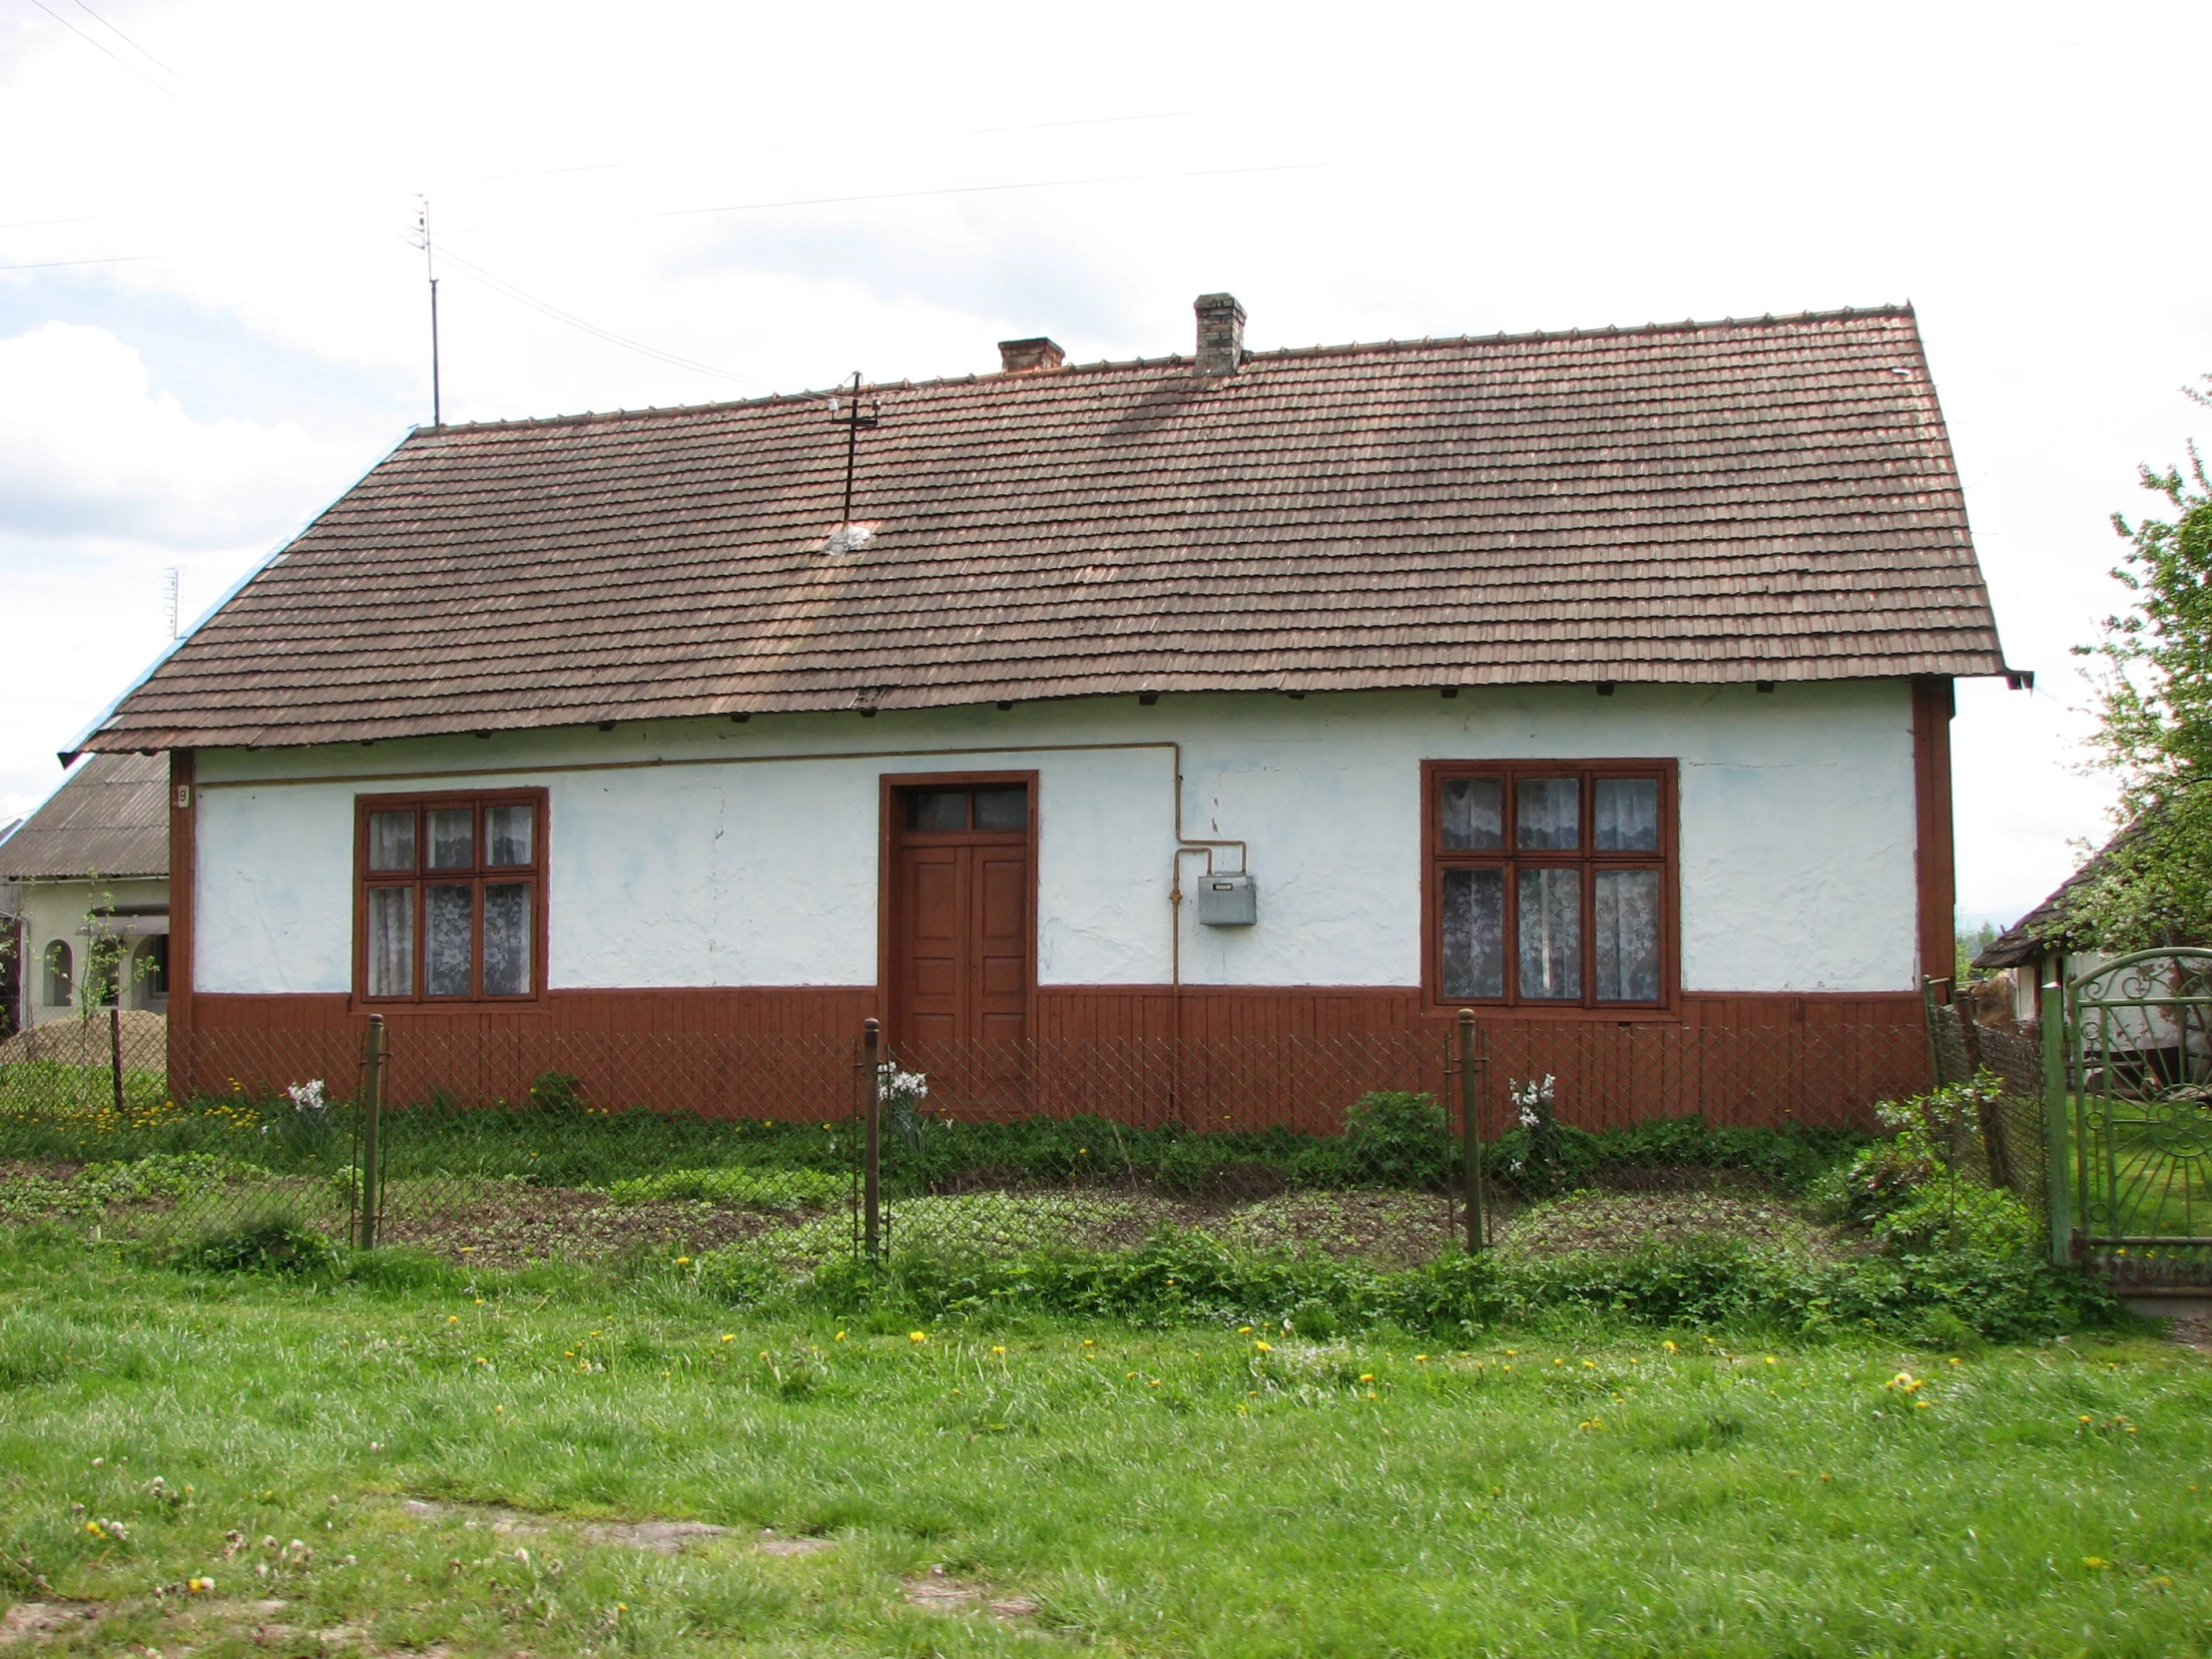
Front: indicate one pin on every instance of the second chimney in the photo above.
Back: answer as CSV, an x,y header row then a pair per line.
x,y
1221,324
1028,356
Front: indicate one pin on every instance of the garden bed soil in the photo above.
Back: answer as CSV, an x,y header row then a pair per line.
x,y
1621,1221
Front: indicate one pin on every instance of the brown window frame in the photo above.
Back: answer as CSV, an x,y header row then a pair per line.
x,y
1436,859
476,875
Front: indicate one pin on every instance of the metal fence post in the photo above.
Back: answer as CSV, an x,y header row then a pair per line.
x,y
372,1124
1471,1118
115,1053
871,1145
2055,1108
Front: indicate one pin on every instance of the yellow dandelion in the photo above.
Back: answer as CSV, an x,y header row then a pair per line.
x,y
2095,1563
1263,1348
199,1586
839,1338
1669,1347
1001,1349
728,1337
917,1335
1367,1376
1421,1359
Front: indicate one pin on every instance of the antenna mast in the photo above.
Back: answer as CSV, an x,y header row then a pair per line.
x,y
431,266
168,598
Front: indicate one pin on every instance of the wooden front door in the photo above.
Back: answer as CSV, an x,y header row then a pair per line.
x,y
964,923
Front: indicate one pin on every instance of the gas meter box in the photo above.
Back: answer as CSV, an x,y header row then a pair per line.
x,y
1228,901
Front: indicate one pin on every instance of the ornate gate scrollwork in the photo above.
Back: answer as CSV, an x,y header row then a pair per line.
x,y
2130,1084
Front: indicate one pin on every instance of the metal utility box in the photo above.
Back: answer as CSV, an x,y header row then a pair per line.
x,y
1228,901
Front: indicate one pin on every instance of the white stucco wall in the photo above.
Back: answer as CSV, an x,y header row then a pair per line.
x,y
65,910
750,859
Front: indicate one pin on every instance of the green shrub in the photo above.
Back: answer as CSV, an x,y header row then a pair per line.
x,y
1953,1216
557,1093
269,1246
1397,1139
1184,1277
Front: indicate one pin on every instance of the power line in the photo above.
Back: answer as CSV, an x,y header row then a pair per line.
x,y
98,47
979,189
56,265
501,286
127,41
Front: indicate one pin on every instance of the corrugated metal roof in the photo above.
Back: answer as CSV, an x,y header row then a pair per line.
x,y
109,817
1770,500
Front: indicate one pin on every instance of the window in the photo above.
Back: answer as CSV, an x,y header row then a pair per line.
x,y
1002,806
1549,885
60,973
452,899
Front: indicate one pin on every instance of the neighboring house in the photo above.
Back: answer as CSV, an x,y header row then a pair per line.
x,y
86,881
1599,681
2043,948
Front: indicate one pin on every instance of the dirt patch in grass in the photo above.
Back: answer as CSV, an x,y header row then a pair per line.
x,y
29,1621
661,1537
1617,1222
939,1593
508,1223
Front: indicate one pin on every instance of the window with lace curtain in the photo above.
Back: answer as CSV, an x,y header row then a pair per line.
x,y
1550,884
451,897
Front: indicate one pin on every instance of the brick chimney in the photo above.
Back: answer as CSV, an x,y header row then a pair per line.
x,y
1221,324
1028,356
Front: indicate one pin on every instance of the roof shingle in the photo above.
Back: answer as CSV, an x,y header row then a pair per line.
x,y
1770,500
109,818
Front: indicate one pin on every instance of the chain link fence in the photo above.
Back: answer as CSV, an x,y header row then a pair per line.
x,y
517,1144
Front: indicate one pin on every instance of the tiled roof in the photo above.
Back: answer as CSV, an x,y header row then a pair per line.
x,y
109,817
1770,500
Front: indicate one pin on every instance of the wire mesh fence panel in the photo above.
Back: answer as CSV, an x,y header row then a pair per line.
x,y
517,1142
1336,1143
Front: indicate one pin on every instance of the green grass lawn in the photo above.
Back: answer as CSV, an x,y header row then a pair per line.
x,y
442,1454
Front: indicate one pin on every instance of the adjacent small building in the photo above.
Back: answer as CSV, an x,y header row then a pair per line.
x,y
84,885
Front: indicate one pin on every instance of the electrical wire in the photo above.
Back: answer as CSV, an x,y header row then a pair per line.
x,y
978,190
98,47
500,284
127,41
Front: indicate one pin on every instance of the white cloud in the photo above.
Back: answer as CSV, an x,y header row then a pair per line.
x,y
90,450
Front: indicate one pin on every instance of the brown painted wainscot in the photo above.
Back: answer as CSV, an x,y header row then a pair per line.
x,y
1206,1057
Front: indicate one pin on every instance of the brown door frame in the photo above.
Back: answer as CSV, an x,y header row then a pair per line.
x,y
889,828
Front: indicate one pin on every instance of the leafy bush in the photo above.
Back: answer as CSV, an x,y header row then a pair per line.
x,y
1397,1139
1193,1277
164,1175
557,1093
1955,1216
269,1246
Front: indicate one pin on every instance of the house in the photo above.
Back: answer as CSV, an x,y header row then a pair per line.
x,y
83,886
1599,681
2046,947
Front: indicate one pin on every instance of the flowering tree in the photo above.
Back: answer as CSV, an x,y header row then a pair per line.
x,y
2154,725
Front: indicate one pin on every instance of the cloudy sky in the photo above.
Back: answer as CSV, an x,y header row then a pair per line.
x,y
213,313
